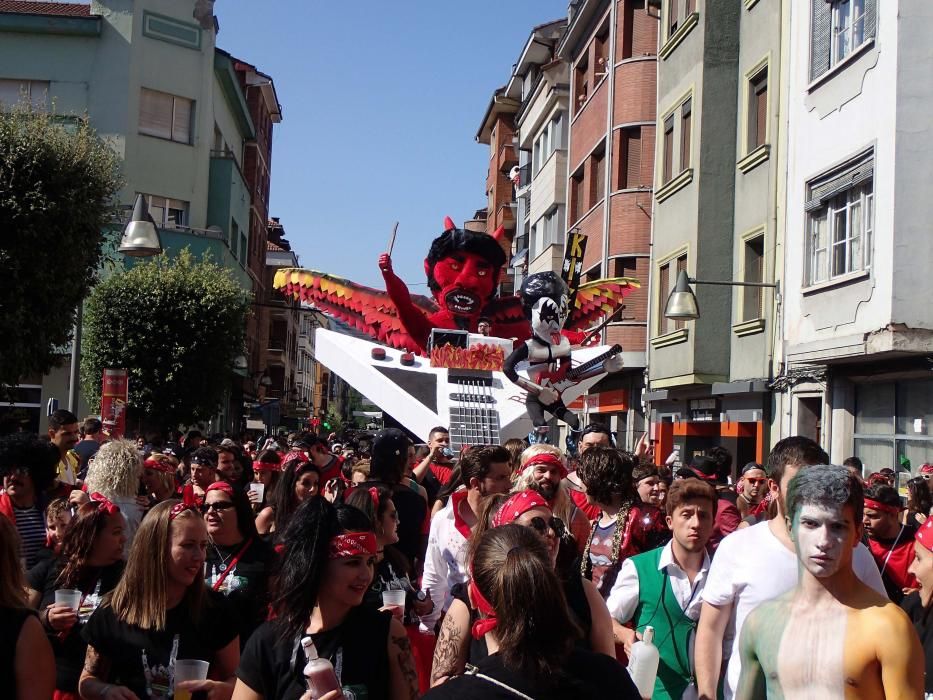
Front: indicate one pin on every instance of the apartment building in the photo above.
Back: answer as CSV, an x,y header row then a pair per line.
x,y
610,47
155,86
858,325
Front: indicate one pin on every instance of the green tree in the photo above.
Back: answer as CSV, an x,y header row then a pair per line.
x,y
176,325
57,182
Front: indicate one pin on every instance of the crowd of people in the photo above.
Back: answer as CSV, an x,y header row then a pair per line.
x,y
501,571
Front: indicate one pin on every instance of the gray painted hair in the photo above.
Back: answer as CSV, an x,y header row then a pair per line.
x,y
825,485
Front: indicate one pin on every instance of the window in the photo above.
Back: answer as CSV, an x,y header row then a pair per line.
x,y
894,420
686,115
165,116
667,278
234,237
837,29
754,271
576,195
598,176
167,212
581,85
630,158
677,12
840,222
15,92
546,232
668,145
624,267
757,110
550,139
601,53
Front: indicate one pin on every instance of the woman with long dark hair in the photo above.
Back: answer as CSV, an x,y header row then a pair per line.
x,y
91,561
267,470
455,647
238,560
327,567
919,502
27,664
158,613
528,629
299,482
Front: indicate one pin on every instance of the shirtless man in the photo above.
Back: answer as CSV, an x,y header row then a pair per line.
x,y
831,636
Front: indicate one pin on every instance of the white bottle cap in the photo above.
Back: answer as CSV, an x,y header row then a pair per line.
x,y
648,636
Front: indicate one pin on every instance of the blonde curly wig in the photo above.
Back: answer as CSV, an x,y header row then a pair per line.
x,y
115,470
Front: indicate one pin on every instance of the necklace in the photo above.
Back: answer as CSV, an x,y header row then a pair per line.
x,y
586,566
223,559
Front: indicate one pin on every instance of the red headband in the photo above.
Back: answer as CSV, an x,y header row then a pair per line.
x,y
484,624
159,466
267,466
105,504
180,508
353,544
518,504
221,486
883,507
925,534
374,494
547,458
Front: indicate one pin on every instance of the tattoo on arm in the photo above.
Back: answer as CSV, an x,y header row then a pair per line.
x,y
447,651
406,663
95,665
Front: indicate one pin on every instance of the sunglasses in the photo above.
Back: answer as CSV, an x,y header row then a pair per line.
x,y
216,506
541,526
755,481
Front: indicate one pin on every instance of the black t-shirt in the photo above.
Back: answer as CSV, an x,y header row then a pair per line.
x,y
412,510
586,676
392,573
11,624
69,652
135,653
923,623
358,649
85,449
246,585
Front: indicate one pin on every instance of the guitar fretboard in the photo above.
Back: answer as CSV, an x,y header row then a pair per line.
x,y
474,419
590,364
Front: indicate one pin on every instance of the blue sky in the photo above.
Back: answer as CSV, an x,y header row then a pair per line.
x,y
381,104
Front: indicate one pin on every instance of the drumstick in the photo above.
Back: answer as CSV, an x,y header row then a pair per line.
x,y
392,238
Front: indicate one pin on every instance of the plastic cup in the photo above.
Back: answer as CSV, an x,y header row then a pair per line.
x,y
68,597
394,598
189,670
258,489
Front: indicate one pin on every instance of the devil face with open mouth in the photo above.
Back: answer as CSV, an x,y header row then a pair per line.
x,y
466,282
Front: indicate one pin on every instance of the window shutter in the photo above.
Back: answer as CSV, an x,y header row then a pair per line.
x,y
155,113
821,22
181,121
761,116
850,176
633,158
871,17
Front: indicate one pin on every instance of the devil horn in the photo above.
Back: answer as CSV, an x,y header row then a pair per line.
x,y
448,223
499,234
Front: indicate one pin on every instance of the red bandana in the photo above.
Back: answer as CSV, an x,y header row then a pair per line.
x,y
883,507
484,624
517,504
549,459
925,534
105,504
221,486
374,495
353,544
267,466
159,466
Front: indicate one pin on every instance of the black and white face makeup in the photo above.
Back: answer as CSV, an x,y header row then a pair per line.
x,y
548,316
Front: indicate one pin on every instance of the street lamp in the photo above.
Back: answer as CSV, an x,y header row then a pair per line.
x,y
682,302
140,240
140,237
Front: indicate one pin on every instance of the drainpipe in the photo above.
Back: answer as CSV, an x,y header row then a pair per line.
x,y
611,77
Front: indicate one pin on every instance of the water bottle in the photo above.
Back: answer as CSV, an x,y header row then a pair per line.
x,y
319,673
643,663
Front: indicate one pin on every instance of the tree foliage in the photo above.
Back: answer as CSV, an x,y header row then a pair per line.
x,y
176,325
57,181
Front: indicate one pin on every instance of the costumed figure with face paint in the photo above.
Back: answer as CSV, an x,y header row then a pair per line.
x,y
546,303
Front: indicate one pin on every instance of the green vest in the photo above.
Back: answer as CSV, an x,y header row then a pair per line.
x,y
658,607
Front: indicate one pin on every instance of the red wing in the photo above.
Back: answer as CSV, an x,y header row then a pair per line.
x,y
506,310
364,308
599,299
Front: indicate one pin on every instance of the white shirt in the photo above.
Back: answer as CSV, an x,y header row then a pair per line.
x,y
752,566
444,560
623,598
